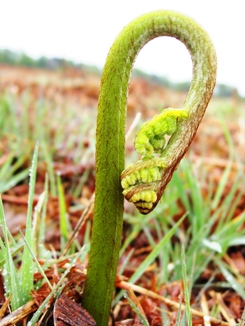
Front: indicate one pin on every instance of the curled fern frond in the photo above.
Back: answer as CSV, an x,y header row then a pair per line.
x,y
150,139
141,180
144,189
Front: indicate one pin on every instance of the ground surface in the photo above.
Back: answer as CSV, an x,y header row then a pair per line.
x,y
77,92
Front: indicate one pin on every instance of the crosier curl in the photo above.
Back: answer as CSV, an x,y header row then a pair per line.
x,y
144,182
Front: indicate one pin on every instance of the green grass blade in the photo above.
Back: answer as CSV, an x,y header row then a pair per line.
x,y
40,268
221,186
143,320
11,279
126,261
186,289
152,256
155,252
64,225
41,251
230,278
27,263
49,159
4,186
56,290
5,167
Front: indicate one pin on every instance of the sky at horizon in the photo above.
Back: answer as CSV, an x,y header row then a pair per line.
x,y
84,31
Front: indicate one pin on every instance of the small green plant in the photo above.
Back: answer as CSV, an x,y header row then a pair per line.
x,y
144,181
20,283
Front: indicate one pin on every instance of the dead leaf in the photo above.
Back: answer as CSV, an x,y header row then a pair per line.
x,y
68,312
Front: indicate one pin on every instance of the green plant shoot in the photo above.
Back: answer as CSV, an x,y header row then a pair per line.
x,y
144,181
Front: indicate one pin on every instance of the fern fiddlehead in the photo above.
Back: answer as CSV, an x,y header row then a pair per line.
x,y
142,184
144,181
140,180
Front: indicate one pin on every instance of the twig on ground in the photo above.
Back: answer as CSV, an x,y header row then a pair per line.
x,y
125,286
19,314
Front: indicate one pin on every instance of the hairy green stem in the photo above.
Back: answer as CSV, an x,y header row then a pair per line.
x,y
110,147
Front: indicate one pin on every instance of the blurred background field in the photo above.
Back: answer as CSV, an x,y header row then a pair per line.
x,y
54,102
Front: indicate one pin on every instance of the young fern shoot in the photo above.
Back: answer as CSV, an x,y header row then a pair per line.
x,y
144,181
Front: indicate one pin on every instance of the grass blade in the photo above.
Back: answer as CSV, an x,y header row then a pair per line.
x,y
64,225
152,256
11,279
27,263
186,289
4,186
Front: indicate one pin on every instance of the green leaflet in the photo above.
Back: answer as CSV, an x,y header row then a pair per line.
x,y
150,143
143,199
150,138
145,175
